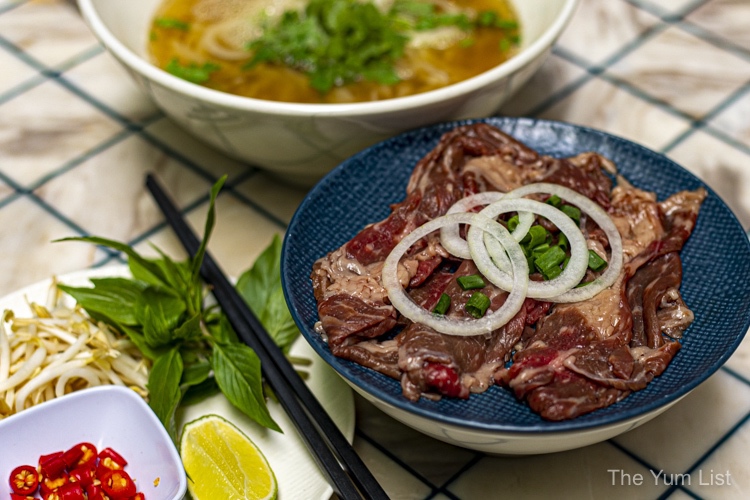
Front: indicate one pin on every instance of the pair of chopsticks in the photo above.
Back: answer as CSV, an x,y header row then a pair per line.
x,y
344,469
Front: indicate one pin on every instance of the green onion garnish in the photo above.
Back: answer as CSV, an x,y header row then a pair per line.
x,y
549,262
540,249
535,237
443,303
572,212
171,23
596,263
470,282
554,200
477,305
513,223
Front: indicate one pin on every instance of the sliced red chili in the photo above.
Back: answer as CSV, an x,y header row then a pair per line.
x,y
44,458
51,484
118,484
110,454
72,456
82,475
94,492
53,466
15,496
71,491
106,465
88,455
138,496
24,480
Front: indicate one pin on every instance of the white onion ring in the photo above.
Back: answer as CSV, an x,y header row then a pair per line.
x,y
458,326
571,275
602,219
451,239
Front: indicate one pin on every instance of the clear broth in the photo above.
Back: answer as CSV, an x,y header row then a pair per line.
x,y
219,29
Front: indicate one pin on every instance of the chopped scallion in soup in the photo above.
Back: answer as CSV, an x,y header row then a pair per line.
x,y
331,51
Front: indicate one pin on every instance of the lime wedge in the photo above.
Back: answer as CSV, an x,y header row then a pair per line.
x,y
222,462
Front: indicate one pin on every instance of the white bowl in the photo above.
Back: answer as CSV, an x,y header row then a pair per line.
x,y
105,416
301,142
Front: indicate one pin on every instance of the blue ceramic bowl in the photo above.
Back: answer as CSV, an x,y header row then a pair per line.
x,y
359,191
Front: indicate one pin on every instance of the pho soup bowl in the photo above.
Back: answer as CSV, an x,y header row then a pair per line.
x,y
301,142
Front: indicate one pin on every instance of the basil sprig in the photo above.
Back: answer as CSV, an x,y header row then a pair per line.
x,y
194,351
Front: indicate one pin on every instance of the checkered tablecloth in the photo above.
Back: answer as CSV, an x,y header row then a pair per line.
x,y
77,137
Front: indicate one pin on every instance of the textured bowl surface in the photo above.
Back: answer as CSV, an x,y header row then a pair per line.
x,y
716,282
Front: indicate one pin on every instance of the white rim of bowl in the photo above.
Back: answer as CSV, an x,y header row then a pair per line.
x,y
223,99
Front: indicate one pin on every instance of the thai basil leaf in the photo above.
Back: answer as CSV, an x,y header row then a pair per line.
x,y
159,312
164,388
113,297
195,373
149,265
223,332
189,330
210,221
278,321
260,286
199,392
237,372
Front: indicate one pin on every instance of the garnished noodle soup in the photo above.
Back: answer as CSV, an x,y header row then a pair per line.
x,y
331,51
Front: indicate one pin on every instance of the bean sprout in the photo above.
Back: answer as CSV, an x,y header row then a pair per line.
x,y
59,349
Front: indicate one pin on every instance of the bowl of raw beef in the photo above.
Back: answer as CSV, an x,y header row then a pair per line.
x,y
571,374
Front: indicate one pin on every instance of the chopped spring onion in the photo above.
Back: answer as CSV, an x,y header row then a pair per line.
x,y
477,305
471,282
498,276
605,223
596,263
443,304
513,223
548,263
572,212
536,236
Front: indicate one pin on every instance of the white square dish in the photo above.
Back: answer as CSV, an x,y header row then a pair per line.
x,y
106,416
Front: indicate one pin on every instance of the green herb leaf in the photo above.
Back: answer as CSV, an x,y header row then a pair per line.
x,y
171,23
149,265
334,42
261,288
159,312
210,221
222,331
113,297
237,372
195,373
164,388
200,392
192,72
189,330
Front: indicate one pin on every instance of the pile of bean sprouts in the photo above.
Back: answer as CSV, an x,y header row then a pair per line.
x,y
59,349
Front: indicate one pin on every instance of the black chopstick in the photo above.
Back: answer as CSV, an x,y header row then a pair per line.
x,y
345,470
